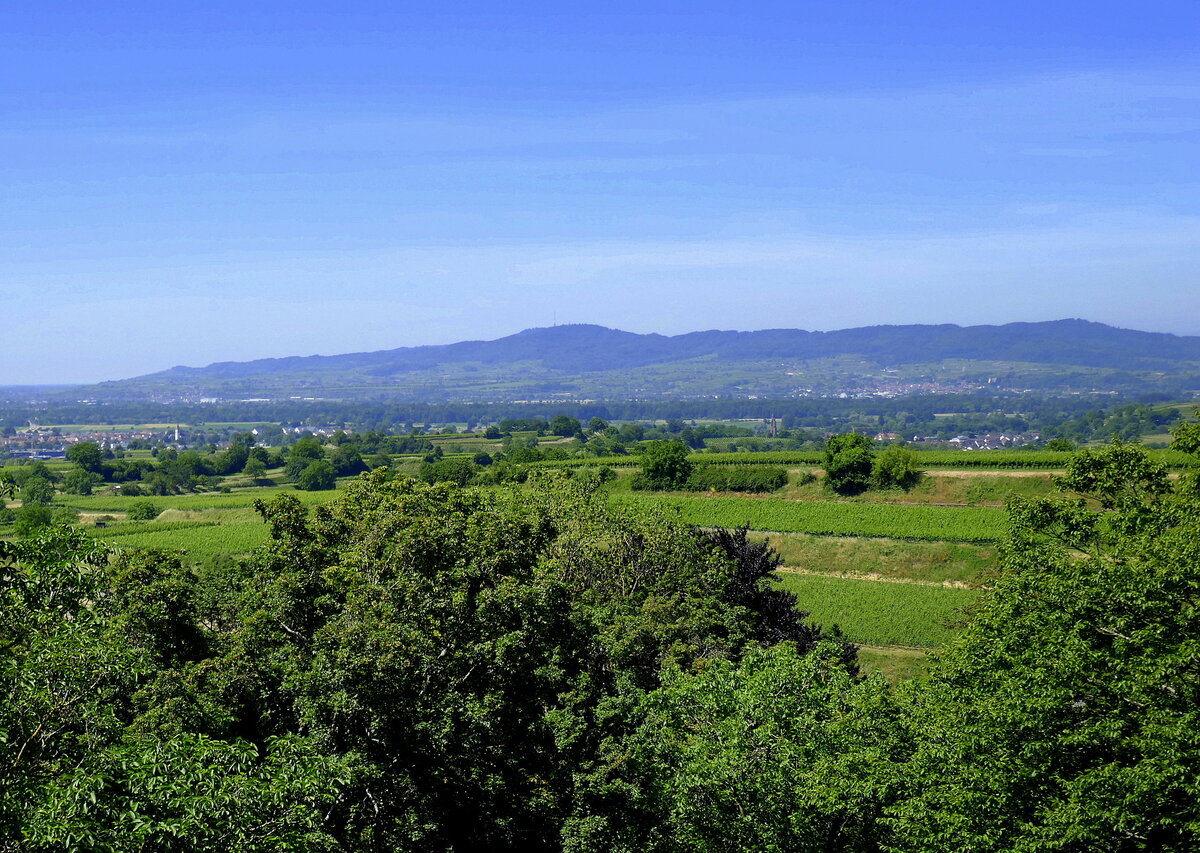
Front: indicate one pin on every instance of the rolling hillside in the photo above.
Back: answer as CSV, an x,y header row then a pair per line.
x,y
587,361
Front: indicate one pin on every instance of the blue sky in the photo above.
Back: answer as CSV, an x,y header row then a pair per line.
x,y
231,181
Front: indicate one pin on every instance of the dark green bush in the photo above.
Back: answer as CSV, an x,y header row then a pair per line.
x,y
143,511
736,479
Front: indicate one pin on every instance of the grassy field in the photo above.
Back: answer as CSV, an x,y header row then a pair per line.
x,y
895,663
948,563
238,499
205,525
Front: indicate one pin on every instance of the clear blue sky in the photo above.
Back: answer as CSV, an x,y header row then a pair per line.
x,y
188,183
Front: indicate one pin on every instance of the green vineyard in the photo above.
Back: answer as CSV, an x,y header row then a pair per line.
x,y
200,539
834,518
881,614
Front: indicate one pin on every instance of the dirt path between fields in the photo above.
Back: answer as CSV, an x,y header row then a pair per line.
x,y
871,576
938,472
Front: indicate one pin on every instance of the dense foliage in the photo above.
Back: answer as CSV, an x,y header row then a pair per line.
x,y
438,668
418,667
723,478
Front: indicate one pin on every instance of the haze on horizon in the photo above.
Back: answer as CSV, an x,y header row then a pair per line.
x,y
224,183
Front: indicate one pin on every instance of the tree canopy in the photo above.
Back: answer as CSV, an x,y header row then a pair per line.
x,y
665,465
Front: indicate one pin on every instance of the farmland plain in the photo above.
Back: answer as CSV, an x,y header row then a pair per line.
x,y
893,570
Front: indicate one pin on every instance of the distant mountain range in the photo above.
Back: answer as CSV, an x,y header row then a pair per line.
x,y
594,362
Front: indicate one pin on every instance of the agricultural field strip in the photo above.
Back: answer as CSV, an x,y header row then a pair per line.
x,y
136,528
241,499
1036,460
199,541
882,615
831,518
800,570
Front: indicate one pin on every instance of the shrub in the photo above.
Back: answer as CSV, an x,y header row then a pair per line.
x,y
736,479
64,515
664,466
895,468
595,476
31,518
459,471
848,463
143,511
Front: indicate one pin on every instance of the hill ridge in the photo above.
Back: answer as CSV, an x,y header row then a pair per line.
x,y
589,359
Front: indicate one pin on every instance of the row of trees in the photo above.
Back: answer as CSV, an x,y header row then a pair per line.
x,y
851,467
923,413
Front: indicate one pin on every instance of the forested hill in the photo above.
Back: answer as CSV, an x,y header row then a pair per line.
x,y
594,361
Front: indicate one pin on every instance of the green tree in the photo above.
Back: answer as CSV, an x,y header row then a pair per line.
x,y
459,471
1067,716
143,511
480,653
30,519
87,455
255,469
565,425
233,460
37,490
849,463
780,751
87,644
317,476
412,667
665,465
302,454
895,468
347,460
80,481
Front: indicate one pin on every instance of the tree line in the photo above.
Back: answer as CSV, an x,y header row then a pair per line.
x,y
916,414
